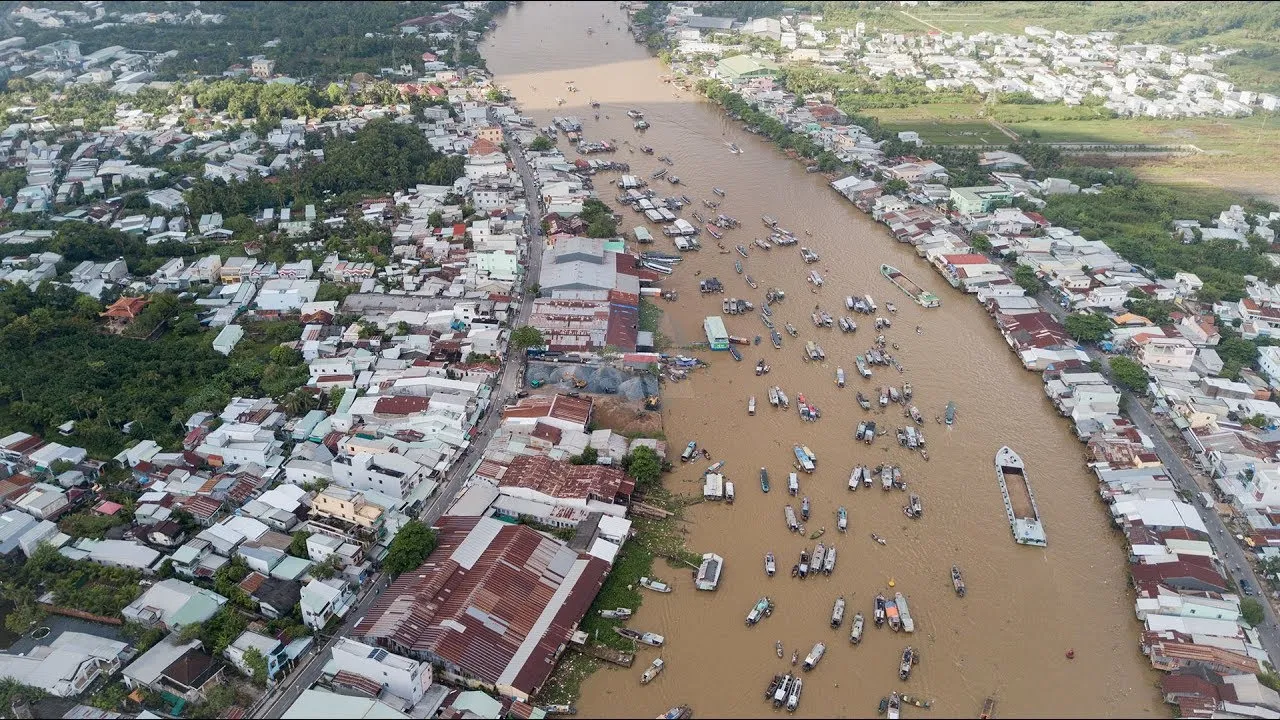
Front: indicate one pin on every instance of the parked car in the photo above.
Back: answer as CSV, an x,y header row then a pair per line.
x,y
1246,587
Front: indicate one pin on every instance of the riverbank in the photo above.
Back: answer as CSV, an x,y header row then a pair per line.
x,y
652,539
1065,595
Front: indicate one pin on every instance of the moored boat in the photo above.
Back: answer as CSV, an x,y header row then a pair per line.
x,y
769,566
855,479
814,657
923,297
988,709
829,562
764,480
877,538
644,638
762,609
679,712
655,585
793,697
780,695
904,612
776,338
837,613
1025,520
842,516
804,508
616,614
855,634
894,708
773,396
917,702
791,330
891,615
742,250
908,659
880,609
839,377
654,670
913,508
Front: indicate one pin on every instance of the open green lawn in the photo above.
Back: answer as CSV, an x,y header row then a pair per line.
x,y
952,132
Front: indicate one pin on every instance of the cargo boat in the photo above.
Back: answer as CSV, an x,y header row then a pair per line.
x,y
647,638
654,671
814,657
1025,520
923,297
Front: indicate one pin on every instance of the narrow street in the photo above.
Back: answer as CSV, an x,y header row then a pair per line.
x,y
1232,555
308,671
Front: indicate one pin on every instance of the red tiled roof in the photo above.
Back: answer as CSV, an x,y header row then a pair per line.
x,y
401,405
202,506
550,433
576,410
563,480
479,617
252,582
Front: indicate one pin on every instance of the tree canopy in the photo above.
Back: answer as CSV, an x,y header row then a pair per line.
x,y
409,548
1129,373
527,337
643,464
1087,327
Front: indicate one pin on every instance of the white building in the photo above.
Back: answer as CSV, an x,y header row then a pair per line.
x,y
406,679
386,473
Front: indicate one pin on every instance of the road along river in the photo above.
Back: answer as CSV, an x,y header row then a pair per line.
x,y
1025,607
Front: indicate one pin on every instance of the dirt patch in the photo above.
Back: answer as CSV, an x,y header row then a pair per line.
x,y
626,416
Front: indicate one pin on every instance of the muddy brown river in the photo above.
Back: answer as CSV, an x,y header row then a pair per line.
x,y
1025,607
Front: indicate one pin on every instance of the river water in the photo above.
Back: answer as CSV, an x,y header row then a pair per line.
x,y
1025,607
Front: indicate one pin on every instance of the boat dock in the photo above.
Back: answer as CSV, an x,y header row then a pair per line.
x,y
607,654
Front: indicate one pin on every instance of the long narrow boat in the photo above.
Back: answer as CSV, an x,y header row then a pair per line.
x,y
1025,520
923,297
764,480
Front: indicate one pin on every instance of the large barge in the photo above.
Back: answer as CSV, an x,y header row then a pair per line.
x,y
923,297
1025,519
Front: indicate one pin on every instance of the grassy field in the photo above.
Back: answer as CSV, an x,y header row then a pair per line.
x,y
951,132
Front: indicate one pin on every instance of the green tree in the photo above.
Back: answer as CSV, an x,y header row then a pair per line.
x,y
257,663
1026,277
980,242
1129,373
895,186
22,617
527,337
1087,327
643,465
1252,612
298,544
589,456
542,143
409,548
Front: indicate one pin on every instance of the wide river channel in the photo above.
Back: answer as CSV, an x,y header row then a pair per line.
x,y
1025,607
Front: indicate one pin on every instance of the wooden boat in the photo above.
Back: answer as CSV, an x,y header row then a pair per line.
x,y
917,702
780,695
791,330
776,338
863,402
877,538
923,297
762,368
773,396
829,562
711,230
904,612
762,244
718,191
793,697
908,659
777,647
906,390
768,220
769,566
763,318
645,638
894,710
842,517
839,377
804,508
616,614
957,580
814,657
804,562
751,405
891,615
715,467
1025,520
762,609
733,352
855,479
855,635
988,709
660,172
753,285
654,670
737,266
950,414
655,585
729,494
679,712
913,509
837,613
764,480
880,612
777,679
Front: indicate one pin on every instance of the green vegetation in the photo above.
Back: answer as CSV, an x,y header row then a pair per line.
x,y
1129,373
542,143
316,40
650,316
257,663
1270,679
87,525
298,544
527,337
599,219
380,158
12,691
1026,277
1136,223
409,548
80,585
1157,311
589,456
1238,353
1087,327
643,465
217,632
1252,612
57,365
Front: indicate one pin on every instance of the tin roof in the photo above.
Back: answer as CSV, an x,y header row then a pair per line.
x,y
497,600
563,480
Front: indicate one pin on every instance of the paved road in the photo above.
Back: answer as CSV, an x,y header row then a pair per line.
x,y
308,671
1191,482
